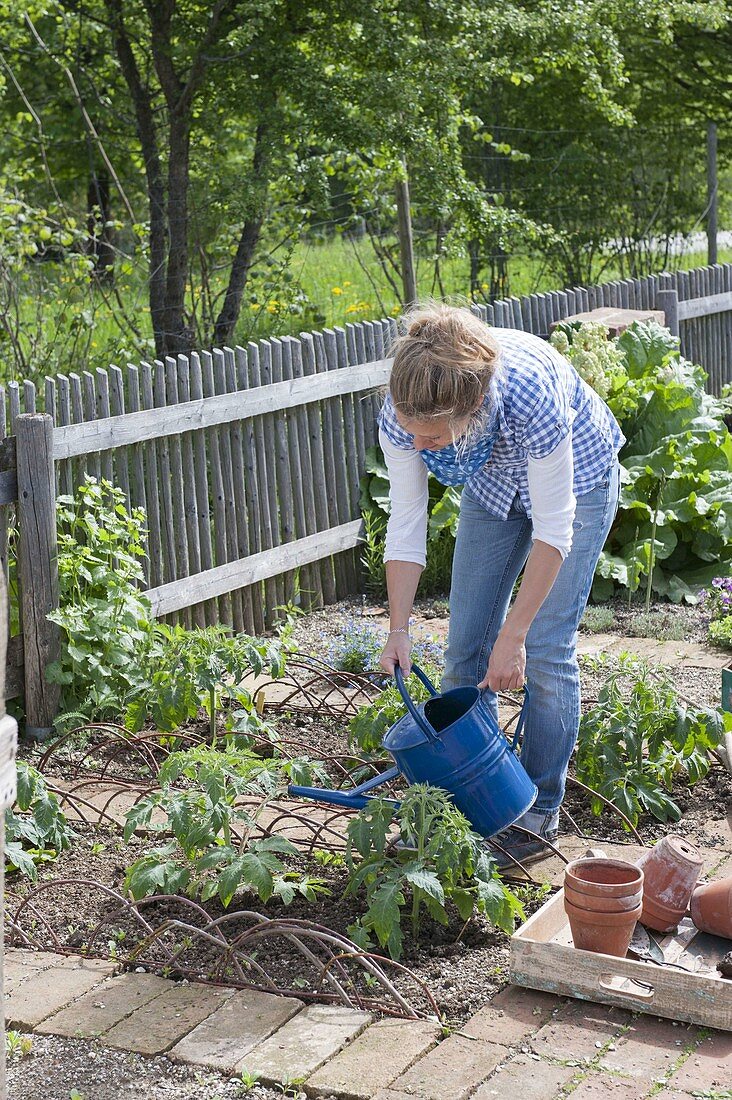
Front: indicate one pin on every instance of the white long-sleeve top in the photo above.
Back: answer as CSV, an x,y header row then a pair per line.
x,y
551,494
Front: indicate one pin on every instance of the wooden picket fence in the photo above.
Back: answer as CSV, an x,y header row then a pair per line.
x,y
247,461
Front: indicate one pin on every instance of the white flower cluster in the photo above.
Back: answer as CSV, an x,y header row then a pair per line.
x,y
595,358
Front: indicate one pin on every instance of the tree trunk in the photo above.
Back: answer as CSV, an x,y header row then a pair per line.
x,y
229,314
99,241
178,335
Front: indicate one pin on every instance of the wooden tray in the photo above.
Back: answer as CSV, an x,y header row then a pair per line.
x,y
542,957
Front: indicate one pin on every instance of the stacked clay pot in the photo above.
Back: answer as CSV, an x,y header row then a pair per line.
x,y
603,899
711,908
671,869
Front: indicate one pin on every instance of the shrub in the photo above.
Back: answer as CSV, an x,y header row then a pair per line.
x,y
357,649
717,599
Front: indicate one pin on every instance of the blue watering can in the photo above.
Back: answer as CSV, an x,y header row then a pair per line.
x,y
454,742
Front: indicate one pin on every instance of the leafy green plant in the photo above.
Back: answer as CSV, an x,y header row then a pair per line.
x,y
597,619
367,727
204,668
656,624
720,632
675,517
17,1045
639,737
717,599
448,865
212,852
105,620
40,831
444,509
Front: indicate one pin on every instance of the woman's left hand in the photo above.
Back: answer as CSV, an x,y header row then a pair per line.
x,y
506,665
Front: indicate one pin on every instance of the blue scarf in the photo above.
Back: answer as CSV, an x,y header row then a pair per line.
x,y
451,468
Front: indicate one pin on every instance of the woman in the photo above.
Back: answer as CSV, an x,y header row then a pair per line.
x,y
505,414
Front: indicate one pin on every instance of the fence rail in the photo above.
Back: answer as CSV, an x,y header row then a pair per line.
x,y
247,461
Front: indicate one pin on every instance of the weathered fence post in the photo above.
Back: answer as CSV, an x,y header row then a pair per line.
x,y
8,747
38,567
668,300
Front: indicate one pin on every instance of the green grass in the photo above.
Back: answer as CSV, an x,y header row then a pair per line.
x,y
327,283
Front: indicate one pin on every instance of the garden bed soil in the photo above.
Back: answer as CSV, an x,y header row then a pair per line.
x,y
463,965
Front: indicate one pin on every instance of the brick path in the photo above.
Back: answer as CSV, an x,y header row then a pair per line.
x,y
524,1045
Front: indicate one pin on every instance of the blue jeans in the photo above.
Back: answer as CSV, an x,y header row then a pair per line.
x,y
489,555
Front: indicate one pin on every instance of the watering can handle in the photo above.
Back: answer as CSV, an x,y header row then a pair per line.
x,y
422,722
522,720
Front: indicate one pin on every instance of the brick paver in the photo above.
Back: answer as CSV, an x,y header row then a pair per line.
x,y
304,1043
104,1006
525,1078
649,1049
376,1058
453,1070
579,1031
20,964
604,1086
156,1027
709,1067
512,1016
46,991
243,1021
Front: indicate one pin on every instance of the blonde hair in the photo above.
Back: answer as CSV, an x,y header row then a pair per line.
x,y
443,364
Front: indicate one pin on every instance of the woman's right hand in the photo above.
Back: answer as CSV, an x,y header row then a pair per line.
x,y
397,651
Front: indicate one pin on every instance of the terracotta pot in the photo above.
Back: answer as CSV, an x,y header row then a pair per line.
x,y
671,870
614,878
711,908
607,933
593,903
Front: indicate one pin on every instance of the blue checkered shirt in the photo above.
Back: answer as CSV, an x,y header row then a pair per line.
x,y
536,398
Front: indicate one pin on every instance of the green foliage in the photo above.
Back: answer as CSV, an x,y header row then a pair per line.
x,y
212,853
17,1045
656,624
367,727
639,737
720,632
444,510
597,619
105,621
449,864
190,669
39,832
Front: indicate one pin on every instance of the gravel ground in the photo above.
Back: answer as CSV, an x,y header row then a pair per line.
x,y
71,1069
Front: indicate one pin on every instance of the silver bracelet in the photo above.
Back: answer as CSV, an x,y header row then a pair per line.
x,y
400,630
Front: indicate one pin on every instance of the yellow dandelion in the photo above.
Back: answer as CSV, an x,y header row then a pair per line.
x,y
347,283
336,290
255,306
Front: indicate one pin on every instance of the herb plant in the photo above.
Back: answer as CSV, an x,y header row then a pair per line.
x,y
448,865
104,619
200,801
639,737
40,832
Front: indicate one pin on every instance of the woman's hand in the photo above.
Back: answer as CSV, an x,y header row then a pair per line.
x,y
507,664
397,652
